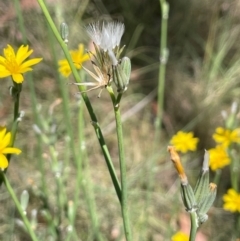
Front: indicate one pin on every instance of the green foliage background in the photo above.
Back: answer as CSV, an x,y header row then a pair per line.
x,y
202,79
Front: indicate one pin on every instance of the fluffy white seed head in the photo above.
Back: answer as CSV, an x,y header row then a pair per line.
x,y
106,35
94,31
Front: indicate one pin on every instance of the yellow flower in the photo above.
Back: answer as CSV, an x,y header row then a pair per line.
x,y
5,138
180,236
184,141
225,137
15,64
218,158
231,201
78,57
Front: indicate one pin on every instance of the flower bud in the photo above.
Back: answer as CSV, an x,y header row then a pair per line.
x,y
201,188
64,32
24,199
121,74
188,197
205,205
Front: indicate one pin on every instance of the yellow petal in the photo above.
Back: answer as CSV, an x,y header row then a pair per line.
x,y
2,60
81,49
5,140
3,162
85,58
23,53
9,51
2,132
63,62
4,72
30,63
11,150
18,78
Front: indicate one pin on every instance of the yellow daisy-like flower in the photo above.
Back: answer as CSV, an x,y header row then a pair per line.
x,y
225,137
5,138
16,64
218,158
184,141
78,57
231,201
180,236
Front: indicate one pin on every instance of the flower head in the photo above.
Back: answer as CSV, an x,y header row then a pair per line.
x,y
106,62
180,236
78,57
5,138
231,201
107,37
184,141
226,137
14,65
218,158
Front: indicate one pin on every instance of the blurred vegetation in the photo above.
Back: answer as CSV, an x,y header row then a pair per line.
x,y
202,79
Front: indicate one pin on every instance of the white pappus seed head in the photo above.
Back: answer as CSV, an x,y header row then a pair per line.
x,y
106,35
94,31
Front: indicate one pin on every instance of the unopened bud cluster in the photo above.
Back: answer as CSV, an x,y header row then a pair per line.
x,y
201,198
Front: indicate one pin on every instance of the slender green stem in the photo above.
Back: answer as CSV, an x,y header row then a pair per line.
x,y
194,226
16,90
119,97
122,161
217,176
164,8
33,101
234,171
87,185
19,208
79,161
86,101
162,67
60,195
67,118
64,94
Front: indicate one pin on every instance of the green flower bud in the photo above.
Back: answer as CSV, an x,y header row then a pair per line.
x,y
201,188
207,202
188,197
64,32
121,74
24,199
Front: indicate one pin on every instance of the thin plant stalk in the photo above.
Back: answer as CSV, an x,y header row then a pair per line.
x,y
162,67
87,184
67,117
34,103
60,194
122,161
16,98
194,226
164,8
234,172
93,117
64,94
217,176
19,208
